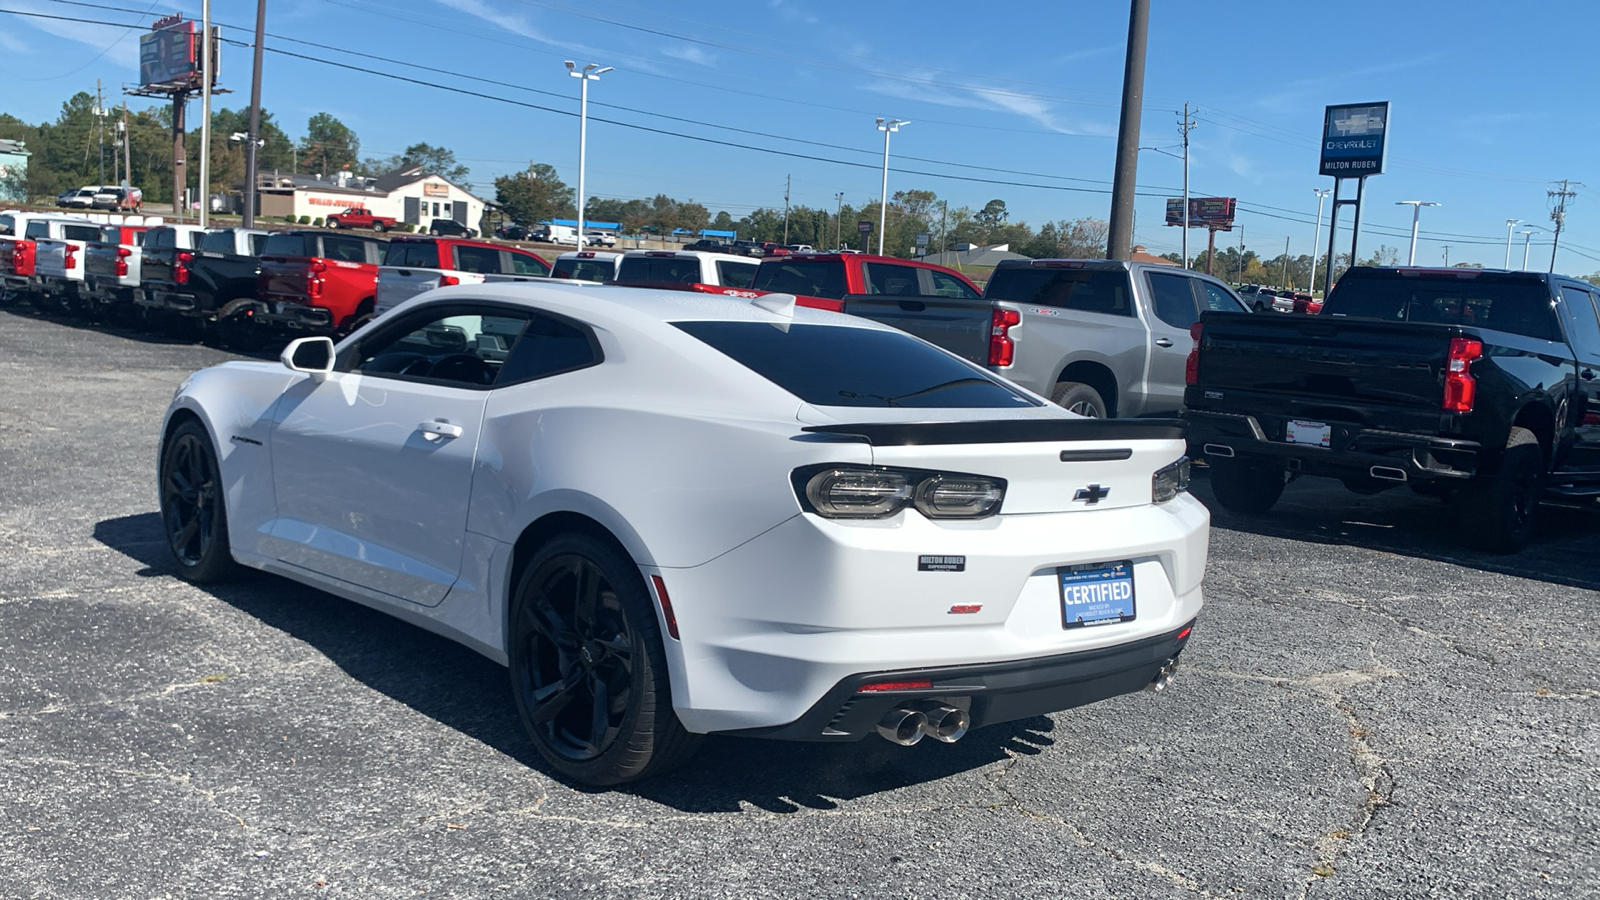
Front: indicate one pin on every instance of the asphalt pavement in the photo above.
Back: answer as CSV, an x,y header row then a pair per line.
x,y
1365,710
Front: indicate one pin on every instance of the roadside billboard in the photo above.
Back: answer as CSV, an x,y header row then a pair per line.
x,y
1354,139
1204,212
169,54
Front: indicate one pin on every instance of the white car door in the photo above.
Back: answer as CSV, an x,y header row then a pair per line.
x,y
373,467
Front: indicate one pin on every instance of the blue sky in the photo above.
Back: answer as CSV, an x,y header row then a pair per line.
x,y
1487,110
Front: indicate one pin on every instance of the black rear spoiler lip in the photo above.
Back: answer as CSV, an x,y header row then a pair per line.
x,y
1007,431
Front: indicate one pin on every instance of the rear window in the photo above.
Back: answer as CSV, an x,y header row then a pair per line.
x,y
583,269
81,232
344,249
735,274
258,242
1085,290
809,279
661,269
1513,306
417,254
527,264
285,245
477,260
831,365
8,225
38,229
217,242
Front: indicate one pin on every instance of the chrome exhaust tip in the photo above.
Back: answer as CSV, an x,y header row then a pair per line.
x,y
945,723
1163,677
903,726
1387,473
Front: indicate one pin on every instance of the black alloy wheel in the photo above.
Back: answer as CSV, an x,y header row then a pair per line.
x,y
587,669
1501,509
192,512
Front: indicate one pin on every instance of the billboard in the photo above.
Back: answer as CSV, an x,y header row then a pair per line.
x,y
169,57
1354,139
1204,212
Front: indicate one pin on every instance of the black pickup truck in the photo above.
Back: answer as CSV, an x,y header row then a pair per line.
x,y
202,282
1481,387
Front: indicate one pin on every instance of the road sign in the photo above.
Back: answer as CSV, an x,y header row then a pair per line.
x,y
1204,212
922,238
1354,139
864,227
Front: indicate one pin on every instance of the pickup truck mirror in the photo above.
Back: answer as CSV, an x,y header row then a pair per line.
x,y
311,355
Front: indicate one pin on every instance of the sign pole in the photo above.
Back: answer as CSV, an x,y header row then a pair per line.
x,y
1333,231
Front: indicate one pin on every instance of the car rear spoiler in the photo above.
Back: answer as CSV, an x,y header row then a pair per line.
x,y
1007,431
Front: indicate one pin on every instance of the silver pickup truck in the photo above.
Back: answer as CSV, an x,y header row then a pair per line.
x,y
1099,337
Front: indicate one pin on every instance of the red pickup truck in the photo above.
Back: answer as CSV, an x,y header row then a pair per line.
x,y
316,281
360,217
823,280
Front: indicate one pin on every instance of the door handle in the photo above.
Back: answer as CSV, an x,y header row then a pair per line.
x,y
438,429
1163,342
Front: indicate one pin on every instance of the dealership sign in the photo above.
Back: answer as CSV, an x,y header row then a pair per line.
x,y
1204,212
1354,139
166,54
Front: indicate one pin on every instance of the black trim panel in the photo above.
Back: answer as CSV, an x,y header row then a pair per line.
x,y
1009,431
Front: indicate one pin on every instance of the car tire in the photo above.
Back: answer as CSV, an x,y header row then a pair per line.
x,y
1075,396
1244,487
193,516
378,227
434,232
1500,509
333,223
588,669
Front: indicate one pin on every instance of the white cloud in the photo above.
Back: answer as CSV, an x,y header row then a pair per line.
x,y
973,96
689,53
119,45
788,13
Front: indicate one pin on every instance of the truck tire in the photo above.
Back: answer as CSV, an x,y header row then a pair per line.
x,y
378,227
333,221
1250,488
1500,509
1075,396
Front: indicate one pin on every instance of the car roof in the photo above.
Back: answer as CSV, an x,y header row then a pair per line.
x,y
591,254
696,254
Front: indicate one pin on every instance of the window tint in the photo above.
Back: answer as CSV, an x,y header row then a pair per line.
x,y
419,254
807,279
1086,290
1585,326
462,349
1216,297
1511,304
8,225
660,269
946,285
345,249
258,242
80,232
842,366
217,242
583,269
1173,299
477,260
547,347
38,230
527,264
735,274
285,245
890,279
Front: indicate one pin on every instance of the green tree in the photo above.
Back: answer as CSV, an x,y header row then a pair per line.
x,y
534,196
437,160
329,145
1593,278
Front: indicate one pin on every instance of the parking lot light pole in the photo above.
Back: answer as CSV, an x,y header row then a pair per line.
x,y
1527,241
888,127
1316,235
1416,213
1510,224
589,72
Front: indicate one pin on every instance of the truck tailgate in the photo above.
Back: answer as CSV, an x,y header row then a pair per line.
x,y
397,284
1312,358
100,261
960,326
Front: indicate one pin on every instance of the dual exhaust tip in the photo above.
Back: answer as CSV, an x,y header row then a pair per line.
x,y
906,726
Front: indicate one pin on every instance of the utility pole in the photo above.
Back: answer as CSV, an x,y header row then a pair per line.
x,y
944,225
1184,127
1286,264
252,140
788,181
1322,194
1447,256
127,148
100,126
1120,233
206,76
180,174
1241,253
1559,214
838,219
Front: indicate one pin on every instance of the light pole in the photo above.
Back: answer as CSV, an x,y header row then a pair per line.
x,y
589,72
1316,235
1416,212
205,111
1527,240
1510,224
838,219
888,127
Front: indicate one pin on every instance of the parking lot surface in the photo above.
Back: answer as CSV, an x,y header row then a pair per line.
x,y
1365,710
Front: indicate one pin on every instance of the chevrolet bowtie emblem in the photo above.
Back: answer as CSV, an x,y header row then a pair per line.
x,y
1092,494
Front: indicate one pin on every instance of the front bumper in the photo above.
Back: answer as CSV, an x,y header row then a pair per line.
x,y
1353,451
775,629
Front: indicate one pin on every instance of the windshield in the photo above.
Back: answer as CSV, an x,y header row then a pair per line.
x,y
583,269
822,278
1514,304
834,365
661,269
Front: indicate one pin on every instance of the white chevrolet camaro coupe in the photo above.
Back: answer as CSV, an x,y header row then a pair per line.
x,y
672,515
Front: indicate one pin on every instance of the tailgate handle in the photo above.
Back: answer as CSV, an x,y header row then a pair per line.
x,y
1587,374
1163,342
913,305
405,272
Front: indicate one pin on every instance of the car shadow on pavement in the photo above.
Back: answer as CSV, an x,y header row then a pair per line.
x,y
461,689
1322,511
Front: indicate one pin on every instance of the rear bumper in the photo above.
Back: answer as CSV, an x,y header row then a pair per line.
x,y
107,290
990,692
175,301
289,316
1353,451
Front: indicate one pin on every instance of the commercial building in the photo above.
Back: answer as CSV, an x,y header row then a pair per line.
x,y
413,196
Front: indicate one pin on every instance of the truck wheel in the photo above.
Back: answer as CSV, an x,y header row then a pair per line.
x,y
1246,487
333,222
378,227
1075,396
1500,509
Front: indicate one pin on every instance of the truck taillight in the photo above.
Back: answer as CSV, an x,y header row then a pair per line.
x,y
1460,388
1001,348
448,280
22,258
71,258
1191,366
122,261
180,272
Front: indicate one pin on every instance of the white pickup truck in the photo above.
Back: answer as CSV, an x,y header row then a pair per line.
x,y
58,257
111,267
683,269
412,266
587,265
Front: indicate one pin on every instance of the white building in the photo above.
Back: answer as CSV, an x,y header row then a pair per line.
x,y
412,196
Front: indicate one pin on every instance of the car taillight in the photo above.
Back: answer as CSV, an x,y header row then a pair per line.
x,y
1001,348
861,492
1191,366
1460,388
122,261
180,272
71,258
314,278
448,280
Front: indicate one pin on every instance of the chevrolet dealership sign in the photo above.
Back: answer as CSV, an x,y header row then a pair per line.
x,y
1354,139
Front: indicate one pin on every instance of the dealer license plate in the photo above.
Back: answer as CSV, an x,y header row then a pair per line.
x,y
1096,594
1316,434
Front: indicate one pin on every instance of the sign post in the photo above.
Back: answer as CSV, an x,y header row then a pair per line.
x,y
865,227
1354,145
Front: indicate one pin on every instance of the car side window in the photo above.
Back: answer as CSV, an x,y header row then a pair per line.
x,y
444,346
891,279
549,346
527,264
37,230
735,274
1585,325
950,286
1173,299
1216,297
258,242
346,249
477,260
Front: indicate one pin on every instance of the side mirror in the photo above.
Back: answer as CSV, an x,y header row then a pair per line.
x,y
311,355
